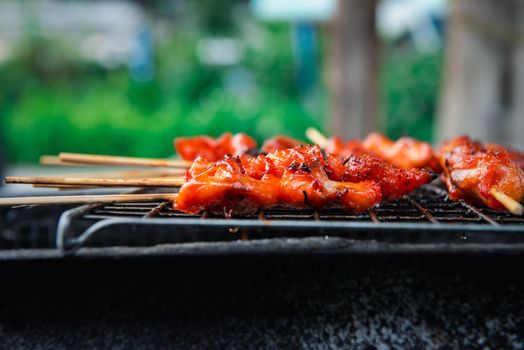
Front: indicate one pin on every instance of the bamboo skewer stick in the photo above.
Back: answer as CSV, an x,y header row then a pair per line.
x,y
317,137
87,199
90,181
509,203
112,175
126,174
64,187
95,159
55,160
140,173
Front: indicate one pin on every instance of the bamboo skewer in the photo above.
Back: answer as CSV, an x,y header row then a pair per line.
x,y
95,159
111,175
317,137
64,187
55,160
126,174
138,173
90,181
87,199
509,203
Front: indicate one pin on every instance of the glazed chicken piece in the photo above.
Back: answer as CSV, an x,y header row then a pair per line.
x,y
394,182
189,148
403,153
223,187
237,185
296,177
471,171
304,182
294,158
337,146
280,142
406,152
516,156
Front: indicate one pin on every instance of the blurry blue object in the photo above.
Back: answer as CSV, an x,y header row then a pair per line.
x,y
141,60
304,44
293,10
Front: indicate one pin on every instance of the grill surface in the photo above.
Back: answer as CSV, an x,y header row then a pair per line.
x,y
423,221
427,205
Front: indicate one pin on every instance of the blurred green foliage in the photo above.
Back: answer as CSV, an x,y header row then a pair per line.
x,y
67,106
409,91
51,102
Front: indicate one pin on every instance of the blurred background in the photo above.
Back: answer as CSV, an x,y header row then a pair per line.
x,y
125,77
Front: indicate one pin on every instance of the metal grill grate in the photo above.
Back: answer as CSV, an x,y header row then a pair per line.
x,y
423,218
428,204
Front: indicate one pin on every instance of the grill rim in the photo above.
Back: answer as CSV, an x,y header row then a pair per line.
x,y
68,244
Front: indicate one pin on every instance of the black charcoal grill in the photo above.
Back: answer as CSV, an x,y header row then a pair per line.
x,y
423,222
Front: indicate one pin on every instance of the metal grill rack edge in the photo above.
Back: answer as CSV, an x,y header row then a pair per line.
x,y
423,221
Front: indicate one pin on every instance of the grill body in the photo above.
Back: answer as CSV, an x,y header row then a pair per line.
x,y
264,302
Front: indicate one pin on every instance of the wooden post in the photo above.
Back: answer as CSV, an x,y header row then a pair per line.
x,y
483,90
353,69
516,125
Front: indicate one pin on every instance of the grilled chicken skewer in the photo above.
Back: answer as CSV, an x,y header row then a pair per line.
x,y
406,152
297,177
480,175
341,186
